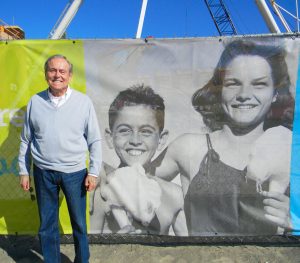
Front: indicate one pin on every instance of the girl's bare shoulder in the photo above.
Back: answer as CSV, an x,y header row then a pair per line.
x,y
188,143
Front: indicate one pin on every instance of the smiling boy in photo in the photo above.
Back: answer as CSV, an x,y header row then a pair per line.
x,y
136,132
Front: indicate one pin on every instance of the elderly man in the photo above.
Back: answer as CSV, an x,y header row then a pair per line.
x,y
60,126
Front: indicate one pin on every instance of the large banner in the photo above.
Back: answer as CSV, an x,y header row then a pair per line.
x,y
200,136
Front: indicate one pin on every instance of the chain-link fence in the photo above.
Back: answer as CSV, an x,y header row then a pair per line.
x,y
18,209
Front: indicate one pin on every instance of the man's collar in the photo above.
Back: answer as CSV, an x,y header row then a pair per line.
x,y
51,96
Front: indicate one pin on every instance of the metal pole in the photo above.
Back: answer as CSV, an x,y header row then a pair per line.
x,y
269,19
66,19
297,15
141,21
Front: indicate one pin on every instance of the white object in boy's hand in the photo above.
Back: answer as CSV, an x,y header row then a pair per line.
x,y
131,188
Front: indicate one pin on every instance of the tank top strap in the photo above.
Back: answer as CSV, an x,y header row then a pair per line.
x,y
210,156
213,155
208,142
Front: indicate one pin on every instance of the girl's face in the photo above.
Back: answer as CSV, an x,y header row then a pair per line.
x,y
248,90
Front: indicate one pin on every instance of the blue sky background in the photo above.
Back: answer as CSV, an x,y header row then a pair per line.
x,y
119,18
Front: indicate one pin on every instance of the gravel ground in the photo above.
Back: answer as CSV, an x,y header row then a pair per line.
x,y
17,249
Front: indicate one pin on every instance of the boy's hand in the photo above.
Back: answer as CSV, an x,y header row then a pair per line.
x,y
25,182
131,188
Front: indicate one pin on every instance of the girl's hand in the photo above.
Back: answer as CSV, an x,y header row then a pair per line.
x,y
277,208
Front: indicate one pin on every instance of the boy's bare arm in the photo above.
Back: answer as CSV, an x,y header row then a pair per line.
x,y
166,165
177,157
179,224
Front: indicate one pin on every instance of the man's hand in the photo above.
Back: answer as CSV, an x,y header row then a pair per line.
x,y
90,182
25,182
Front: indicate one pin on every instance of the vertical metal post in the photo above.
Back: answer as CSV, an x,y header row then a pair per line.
x,y
141,21
297,15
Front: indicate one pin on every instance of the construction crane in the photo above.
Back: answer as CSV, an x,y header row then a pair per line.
x,y
216,8
221,17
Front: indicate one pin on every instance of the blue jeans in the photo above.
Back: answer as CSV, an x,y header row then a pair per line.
x,y
48,184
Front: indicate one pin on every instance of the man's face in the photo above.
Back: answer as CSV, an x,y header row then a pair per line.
x,y
58,75
135,135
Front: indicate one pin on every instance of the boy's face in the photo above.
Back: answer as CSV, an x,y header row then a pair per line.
x,y
135,135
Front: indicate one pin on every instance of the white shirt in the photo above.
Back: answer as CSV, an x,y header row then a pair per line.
x,y
61,100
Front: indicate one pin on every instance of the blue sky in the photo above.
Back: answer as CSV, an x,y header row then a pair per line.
x,y
119,18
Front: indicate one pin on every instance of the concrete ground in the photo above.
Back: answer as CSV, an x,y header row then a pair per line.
x,y
22,250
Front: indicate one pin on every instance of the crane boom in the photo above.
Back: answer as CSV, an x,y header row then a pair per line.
x,y
65,19
221,17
